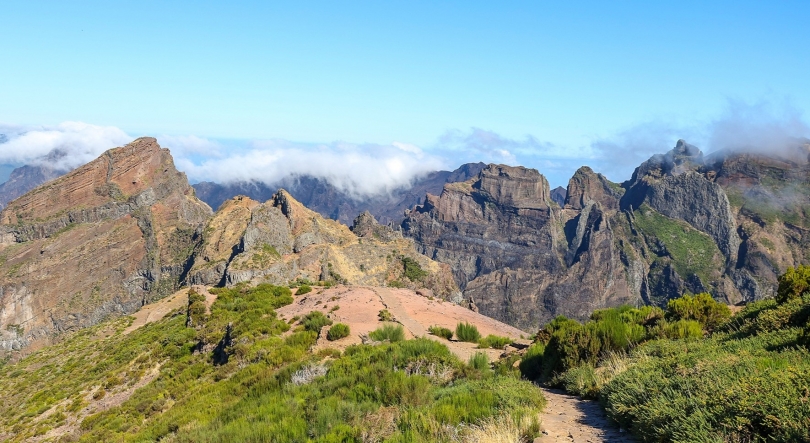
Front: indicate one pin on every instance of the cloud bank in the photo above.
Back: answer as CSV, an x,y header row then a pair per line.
x,y
762,127
368,170
61,147
359,170
766,127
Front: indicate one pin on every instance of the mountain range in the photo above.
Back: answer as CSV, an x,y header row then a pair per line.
x,y
128,228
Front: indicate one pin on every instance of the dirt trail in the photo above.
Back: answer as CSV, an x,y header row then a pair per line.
x,y
392,303
568,418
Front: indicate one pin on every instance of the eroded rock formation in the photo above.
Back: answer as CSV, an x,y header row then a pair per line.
x,y
281,241
99,241
727,224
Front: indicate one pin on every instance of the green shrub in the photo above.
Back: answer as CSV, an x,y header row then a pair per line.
x,y
385,315
494,342
195,313
315,321
701,307
467,332
479,361
682,329
793,283
582,381
532,361
439,331
303,289
413,271
396,284
337,331
391,332
744,388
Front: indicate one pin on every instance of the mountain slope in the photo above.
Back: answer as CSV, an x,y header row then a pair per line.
x,y
24,179
280,241
239,371
99,241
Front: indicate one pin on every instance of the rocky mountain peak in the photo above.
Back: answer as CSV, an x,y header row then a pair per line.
x,y
365,225
682,158
99,241
685,150
140,172
587,187
514,186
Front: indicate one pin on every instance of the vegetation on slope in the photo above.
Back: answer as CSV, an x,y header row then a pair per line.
x,y
662,375
692,252
239,374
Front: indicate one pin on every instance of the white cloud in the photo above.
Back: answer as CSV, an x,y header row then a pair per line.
x,y
768,127
617,156
364,170
359,170
764,126
70,144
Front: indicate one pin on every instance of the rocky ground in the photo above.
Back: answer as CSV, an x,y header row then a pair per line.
x,y
568,418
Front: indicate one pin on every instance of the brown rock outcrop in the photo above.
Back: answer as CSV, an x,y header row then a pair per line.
x,y
280,241
99,241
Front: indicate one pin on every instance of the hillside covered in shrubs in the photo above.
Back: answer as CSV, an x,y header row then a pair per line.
x,y
691,372
239,372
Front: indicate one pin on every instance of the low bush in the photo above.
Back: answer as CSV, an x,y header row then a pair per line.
x,y
681,329
413,271
315,321
388,332
304,289
439,331
793,283
479,361
494,342
467,332
701,308
385,315
337,331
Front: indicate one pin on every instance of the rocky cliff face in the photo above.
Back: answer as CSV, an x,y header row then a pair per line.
x,y
99,241
727,224
519,257
321,197
281,241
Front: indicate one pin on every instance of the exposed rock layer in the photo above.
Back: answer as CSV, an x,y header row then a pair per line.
x,y
99,241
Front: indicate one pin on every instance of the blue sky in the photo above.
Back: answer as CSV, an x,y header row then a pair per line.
x,y
550,85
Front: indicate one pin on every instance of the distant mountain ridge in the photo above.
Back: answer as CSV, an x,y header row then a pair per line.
x,y
322,197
